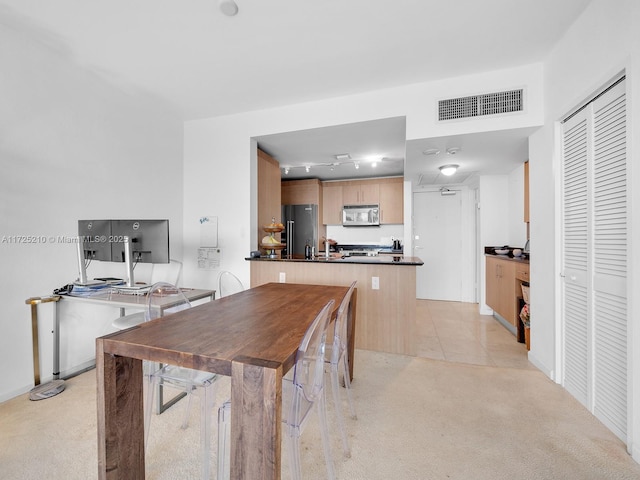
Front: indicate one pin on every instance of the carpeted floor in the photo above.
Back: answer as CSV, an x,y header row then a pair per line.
x,y
417,419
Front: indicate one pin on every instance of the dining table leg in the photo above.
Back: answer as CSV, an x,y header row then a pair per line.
x,y
120,416
256,416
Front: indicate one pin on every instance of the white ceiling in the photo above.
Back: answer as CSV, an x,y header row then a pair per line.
x,y
201,63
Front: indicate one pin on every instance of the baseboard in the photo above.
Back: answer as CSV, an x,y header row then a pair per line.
x,y
635,453
16,393
72,372
78,369
505,324
541,366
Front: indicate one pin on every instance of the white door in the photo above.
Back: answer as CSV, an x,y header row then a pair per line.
x,y
595,258
437,229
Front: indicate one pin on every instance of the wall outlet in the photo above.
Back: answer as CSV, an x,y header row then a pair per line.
x,y
283,277
375,283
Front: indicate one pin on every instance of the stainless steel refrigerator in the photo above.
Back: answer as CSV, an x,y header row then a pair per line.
x,y
300,228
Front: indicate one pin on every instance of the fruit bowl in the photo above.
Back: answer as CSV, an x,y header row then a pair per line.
x,y
273,228
273,246
501,251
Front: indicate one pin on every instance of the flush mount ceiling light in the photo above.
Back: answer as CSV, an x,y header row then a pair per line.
x,y
228,7
448,170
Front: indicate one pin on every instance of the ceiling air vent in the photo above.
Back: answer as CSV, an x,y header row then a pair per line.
x,y
479,105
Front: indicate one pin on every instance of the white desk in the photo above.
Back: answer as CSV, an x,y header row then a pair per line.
x,y
124,301
107,299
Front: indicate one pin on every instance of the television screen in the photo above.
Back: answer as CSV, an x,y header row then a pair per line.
x,y
96,239
149,240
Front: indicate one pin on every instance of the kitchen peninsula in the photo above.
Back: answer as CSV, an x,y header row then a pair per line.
x,y
386,283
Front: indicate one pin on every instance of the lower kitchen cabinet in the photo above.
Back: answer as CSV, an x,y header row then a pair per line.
x,y
504,278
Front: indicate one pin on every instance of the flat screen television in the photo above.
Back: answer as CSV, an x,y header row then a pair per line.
x,y
149,240
96,239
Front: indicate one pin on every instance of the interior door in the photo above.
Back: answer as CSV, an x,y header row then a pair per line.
x,y
437,241
594,255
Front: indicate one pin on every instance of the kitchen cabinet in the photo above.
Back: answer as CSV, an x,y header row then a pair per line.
x,y
299,192
391,200
268,192
361,193
526,192
386,192
501,283
332,203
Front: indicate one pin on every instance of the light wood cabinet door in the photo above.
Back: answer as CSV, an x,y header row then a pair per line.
x,y
392,202
361,193
332,203
501,288
351,194
301,192
268,192
526,192
370,193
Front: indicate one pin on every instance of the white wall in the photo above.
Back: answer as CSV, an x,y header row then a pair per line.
x,y
602,42
382,235
72,147
517,227
493,223
220,170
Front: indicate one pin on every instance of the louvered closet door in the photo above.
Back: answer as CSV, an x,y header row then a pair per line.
x,y
594,258
576,213
610,260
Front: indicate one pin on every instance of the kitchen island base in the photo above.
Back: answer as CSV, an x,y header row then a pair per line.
x,y
386,315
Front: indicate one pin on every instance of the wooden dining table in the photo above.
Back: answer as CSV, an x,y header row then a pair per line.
x,y
251,336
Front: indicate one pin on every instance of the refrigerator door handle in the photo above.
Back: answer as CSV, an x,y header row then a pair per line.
x,y
290,246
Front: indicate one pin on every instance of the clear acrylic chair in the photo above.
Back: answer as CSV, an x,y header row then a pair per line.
x,y
169,273
337,363
302,390
188,380
228,284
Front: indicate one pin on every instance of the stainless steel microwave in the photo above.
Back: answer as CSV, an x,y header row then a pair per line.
x,y
360,215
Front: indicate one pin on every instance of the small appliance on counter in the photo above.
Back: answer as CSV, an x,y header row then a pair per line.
x,y
507,251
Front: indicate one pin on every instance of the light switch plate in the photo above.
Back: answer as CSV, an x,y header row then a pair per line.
x,y
375,283
283,277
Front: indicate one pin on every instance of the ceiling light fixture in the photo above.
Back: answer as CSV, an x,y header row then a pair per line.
x,y
286,170
343,157
448,170
307,168
228,7
453,150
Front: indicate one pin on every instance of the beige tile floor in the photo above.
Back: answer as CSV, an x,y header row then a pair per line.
x,y
456,332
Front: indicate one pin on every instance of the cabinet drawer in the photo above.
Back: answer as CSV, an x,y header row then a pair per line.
x,y
522,273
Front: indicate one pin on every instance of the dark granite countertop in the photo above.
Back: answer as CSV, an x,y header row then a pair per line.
x,y
375,260
522,259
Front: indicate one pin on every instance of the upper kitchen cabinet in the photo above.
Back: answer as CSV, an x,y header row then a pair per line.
x,y
302,192
268,191
391,200
364,192
526,192
332,203
386,192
